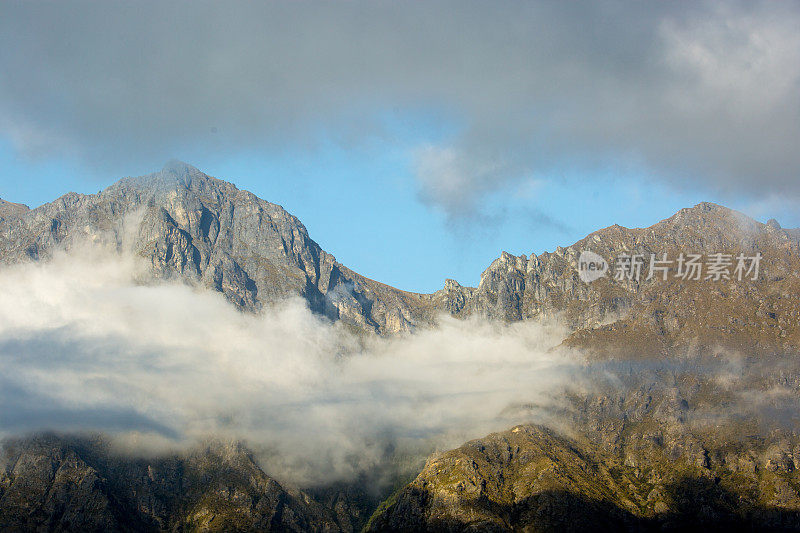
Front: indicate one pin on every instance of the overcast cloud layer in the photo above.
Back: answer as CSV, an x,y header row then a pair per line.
x,y
85,348
692,92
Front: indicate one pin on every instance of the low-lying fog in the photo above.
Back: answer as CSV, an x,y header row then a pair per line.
x,y
84,347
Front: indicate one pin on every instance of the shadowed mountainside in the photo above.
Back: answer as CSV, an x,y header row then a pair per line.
x,y
532,479
55,483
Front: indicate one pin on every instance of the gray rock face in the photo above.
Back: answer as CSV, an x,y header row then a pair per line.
x,y
205,231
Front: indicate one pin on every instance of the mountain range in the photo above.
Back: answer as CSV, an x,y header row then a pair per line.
x,y
206,232
658,442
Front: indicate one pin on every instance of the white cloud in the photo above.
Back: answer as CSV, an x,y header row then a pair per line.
x,y
84,347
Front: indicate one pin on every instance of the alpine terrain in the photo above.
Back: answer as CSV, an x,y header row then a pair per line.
x,y
686,416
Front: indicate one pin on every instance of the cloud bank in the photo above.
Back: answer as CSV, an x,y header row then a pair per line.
x,y
694,93
84,347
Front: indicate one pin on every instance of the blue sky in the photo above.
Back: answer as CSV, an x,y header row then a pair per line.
x,y
416,141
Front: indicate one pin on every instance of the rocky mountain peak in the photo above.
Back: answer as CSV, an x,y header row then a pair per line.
x,y
451,285
175,182
204,231
184,175
180,169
